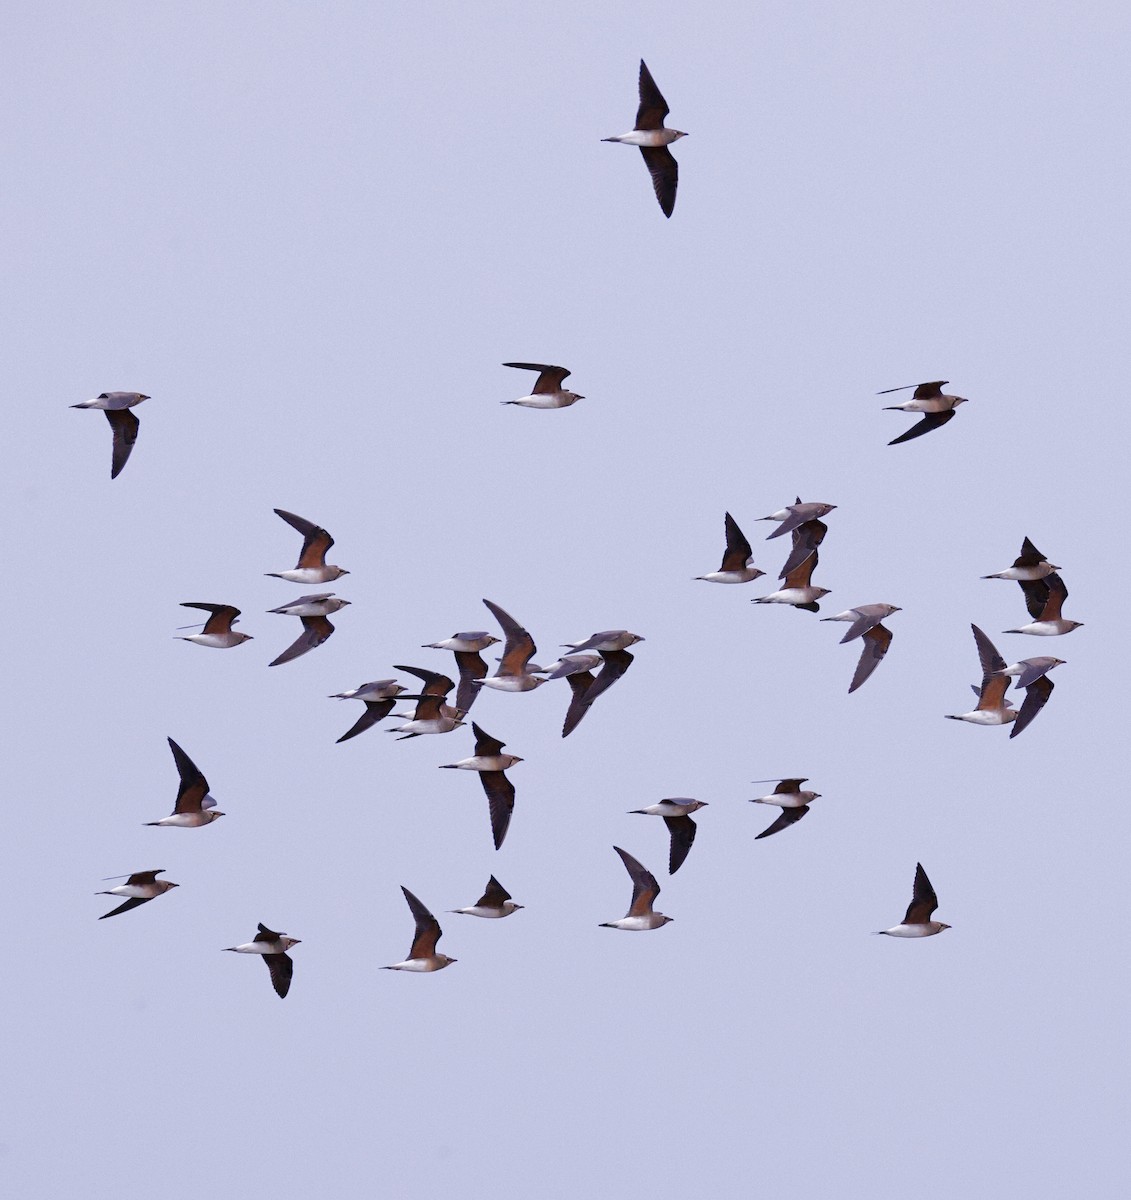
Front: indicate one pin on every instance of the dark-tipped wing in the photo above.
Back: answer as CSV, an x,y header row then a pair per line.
x,y
665,175
579,684
683,830
471,668
125,425
549,378
1036,594
375,710
315,630
132,902
616,664
500,798
991,660
316,540
428,708
282,968
519,648
193,788
930,421
806,538
653,107
427,928
788,786
485,744
1036,697
801,576
789,816
494,895
434,683
1054,601
222,618
1030,556
645,889
738,550
876,643
923,899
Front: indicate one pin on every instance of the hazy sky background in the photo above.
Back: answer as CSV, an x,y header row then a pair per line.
x,y
312,233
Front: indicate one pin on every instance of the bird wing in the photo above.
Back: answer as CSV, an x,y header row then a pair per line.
x,y
790,785
193,788
876,643
802,574
1054,602
434,683
653,107
485,744
579,684
140,877
550,378
617,663
1036,697
316,540
645,889
806,538
1031,672
471,668
683,830
282,968
375,710
923,391
1030,556
788,816
519,648
991,660
132,902
923,899
315,630
494,895
500,799
930,421
125,426
738,549
427,928
1036,595
222,618
665,175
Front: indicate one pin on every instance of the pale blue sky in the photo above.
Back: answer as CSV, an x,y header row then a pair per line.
x,y
312,233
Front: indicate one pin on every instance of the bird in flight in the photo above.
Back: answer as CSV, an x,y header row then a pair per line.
x,y
422,956
676,812
645,889
928,399
217,632
654,139
917,923
738,563
312,566
116,406
194,807
548,391
273,947
139,888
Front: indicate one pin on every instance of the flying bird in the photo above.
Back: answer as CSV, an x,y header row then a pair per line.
x,y
315,631
928,399
273,947
194,806
571,664
422,954
645,889
491,763
867,624
585,687
789,797
677,817
1037,696
607,639
116,406
738,563
917,923
1029,670
312,566
1045,598
806,538
317,604
654,139
548,391
466,647
140,888
432,715
799,590
217,632
495,902
793,516
1030,564
379,698
993,708
514,674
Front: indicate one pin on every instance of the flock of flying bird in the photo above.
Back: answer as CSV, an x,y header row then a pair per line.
x,y
593,665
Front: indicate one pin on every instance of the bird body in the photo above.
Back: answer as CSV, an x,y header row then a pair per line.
x,y
645,889
653,139
138,888
123,423
312,566
273,948
195,806
422,957
738,563
495,903
548,391
993,708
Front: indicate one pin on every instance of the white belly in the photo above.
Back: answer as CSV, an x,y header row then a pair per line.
x,y
743,576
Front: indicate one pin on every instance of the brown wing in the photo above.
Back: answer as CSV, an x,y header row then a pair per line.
x,y
494,895
428,930
434,683
140,877
519,648
665,175
683,830
579,684
1054,601
316,541
500,798
194,787
132,902
471,667
806,538
315,630
222,618
263,934
485,744
789,816
990,659
1036,697
645,889
930,391
282,969
375,710
125,425
550,378
738,550
653,107
790,785
923,899
802,575
876,643
929,422
428,708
